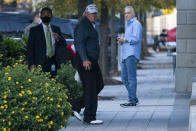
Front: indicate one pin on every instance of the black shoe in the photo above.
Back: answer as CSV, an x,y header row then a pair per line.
x,y
93,122
127,104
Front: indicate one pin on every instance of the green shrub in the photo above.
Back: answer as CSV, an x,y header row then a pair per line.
x,y
65,76
29,100
12,50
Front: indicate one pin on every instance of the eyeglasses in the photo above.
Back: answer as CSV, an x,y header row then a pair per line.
x,y
127,13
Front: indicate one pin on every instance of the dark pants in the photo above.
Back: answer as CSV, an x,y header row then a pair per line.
x,y
92,83
47,65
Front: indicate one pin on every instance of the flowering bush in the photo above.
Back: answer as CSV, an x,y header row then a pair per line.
x,y
12,50
29,100
65,76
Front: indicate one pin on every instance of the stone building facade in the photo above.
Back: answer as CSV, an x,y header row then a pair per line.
x,y
186,45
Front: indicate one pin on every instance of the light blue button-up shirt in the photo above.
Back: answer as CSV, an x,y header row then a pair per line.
x,y
133,34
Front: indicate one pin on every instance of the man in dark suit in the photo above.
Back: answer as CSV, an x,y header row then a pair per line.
x,y
46,46
86,42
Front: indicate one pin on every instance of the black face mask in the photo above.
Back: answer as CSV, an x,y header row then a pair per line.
x,y
46,19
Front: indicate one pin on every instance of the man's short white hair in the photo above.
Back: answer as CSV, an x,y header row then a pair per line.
x,y
132,9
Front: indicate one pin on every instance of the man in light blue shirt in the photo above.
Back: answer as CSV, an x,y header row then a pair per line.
x,y
131,48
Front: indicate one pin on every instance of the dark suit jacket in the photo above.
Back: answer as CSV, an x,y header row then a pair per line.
x,y
36,47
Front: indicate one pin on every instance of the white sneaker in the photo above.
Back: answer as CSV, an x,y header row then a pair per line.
x,y
94,122
77,115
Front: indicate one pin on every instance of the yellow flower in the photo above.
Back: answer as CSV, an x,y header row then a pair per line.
x,y
6,73
60,99
20,94
13,112
6,106
5,101
52,79
40,120
39,66
69,104
54,87
25,103
2,107
49,126
29,92
9,123
29,80
20,60
26,117
51,122
17,83
21,87
46,84
62,126
1,55
21,56
8,66
16,63
37,117
48,98
66,97
62,113
0,113
51,99
9,78
40,114
34,98
22,109
58,106
4,129
46,92
5,96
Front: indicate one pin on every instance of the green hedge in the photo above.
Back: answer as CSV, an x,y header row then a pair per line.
x,y
29,100
65,76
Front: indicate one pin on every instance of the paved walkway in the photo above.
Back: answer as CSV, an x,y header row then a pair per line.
x,y
160,108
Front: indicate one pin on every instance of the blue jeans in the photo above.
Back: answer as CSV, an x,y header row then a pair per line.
x,y
128,74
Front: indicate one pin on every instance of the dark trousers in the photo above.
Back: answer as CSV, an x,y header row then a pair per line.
x,y
92,83
47,65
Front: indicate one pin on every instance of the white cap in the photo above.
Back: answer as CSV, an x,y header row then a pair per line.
x,y
91,8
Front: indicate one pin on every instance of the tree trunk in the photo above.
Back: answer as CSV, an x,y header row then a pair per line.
x,y
104,39
144,50
113,43
122,24
1,4
89,2
81,8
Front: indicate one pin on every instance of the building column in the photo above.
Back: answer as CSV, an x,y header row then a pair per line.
x,y
186,45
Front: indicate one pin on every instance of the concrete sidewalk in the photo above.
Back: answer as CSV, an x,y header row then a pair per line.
x,y
160,108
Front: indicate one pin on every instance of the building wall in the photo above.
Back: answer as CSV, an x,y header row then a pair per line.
x,y
186,45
